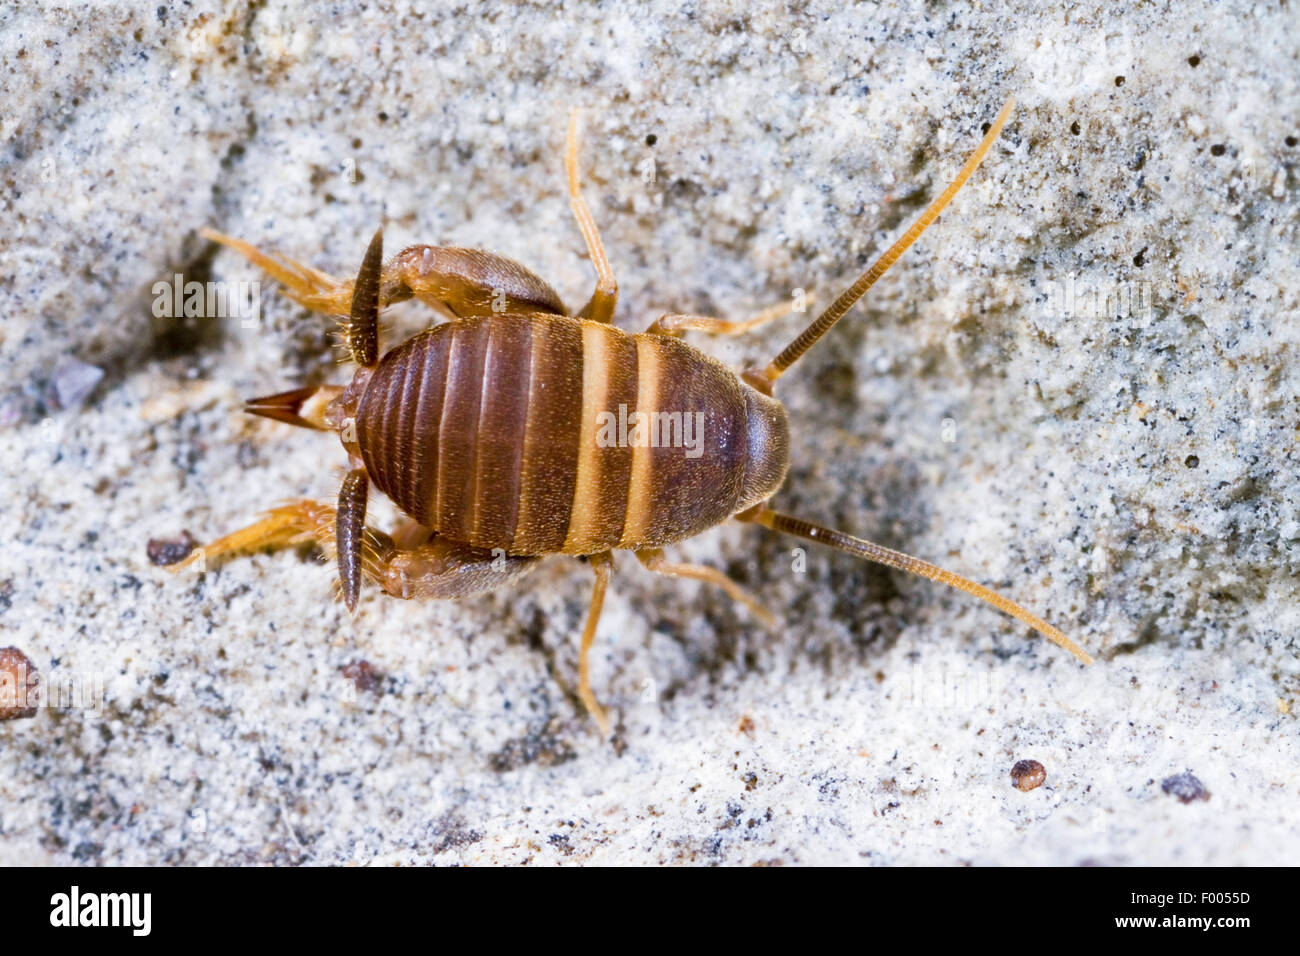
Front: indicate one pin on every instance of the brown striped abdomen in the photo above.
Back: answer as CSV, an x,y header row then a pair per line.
x,y
521,432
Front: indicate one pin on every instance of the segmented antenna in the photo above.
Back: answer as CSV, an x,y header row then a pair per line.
x,y
823,323
905,562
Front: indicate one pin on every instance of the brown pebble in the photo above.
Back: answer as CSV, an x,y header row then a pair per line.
x,y
363,674
165,551
19,685
1028,774
1185,787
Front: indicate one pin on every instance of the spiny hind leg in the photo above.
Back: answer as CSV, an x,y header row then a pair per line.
x,y
457,282
655,560
674,324
605,297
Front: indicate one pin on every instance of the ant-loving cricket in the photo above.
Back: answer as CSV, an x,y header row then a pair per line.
x,y
491,431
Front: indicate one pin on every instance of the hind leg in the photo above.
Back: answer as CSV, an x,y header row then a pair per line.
x,y
296,522
457,282
655,560
674,323
422,566
602,564
441,569
305,285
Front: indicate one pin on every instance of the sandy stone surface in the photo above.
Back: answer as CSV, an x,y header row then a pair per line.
x,y
1080,388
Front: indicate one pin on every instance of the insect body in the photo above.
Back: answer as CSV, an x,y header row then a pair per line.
x,y
516,430
476,430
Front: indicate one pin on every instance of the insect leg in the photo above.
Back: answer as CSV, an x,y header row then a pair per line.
x,y
460,283
654,560
297,521
457,282
605,297
445,569
411,564
441,569
410,534
307,286
674,324
318,290
602,564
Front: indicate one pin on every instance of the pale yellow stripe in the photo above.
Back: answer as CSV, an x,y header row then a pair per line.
x,y
475,519
640,492
522,540
585,518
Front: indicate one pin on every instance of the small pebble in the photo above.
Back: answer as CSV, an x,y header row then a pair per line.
x,y
1028,775
165,551
1185,787
72,383
363,674
19,685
